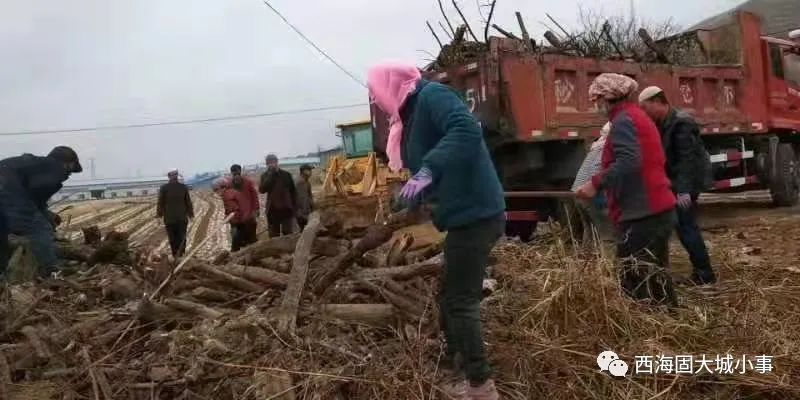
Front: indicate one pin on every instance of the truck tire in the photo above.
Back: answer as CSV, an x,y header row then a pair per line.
x,y
785,186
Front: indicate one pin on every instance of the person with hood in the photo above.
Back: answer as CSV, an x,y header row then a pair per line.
x,y
174,206
689,169
434,135
26,184
640,200
247,195
281,193
595,211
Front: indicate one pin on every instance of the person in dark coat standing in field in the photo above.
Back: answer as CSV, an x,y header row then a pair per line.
x,y
26,184
689,169
175,208
640,201
281,193
248,208
435,136
305,198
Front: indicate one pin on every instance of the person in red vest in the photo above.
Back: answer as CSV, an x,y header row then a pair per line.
x,y
247,194
640,199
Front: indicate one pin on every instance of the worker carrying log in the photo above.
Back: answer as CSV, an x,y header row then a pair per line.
x,y
248,209
640,201
281,193
689,169
26,184
175,208
435,136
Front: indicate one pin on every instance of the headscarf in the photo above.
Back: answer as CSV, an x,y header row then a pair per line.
x,y
221,183
612,87
390,84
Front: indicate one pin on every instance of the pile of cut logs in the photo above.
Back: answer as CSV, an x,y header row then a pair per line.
x,y
125,325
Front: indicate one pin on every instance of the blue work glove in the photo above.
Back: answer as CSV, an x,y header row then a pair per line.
x,y
684,200
416,185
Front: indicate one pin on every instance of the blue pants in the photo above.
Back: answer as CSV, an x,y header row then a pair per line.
x,y
23,218
692,240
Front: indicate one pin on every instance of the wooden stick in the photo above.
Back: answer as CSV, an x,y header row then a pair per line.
x,y
231,280
185,260
466,23
446,32
258,274
287,321
505,32
526,37
435,36
194,308
428,267
538,193
441,8
370,314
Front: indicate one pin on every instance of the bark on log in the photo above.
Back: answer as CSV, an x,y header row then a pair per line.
x,y
287,321
228,279
279,246
206,294
397,252
258,274
379,315
193,308
429,267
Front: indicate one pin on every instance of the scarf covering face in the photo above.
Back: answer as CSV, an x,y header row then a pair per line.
x,y
612,87
390,84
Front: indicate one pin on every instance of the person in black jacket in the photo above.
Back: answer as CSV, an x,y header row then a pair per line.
x,y
26,184
281,193
175,207
689,169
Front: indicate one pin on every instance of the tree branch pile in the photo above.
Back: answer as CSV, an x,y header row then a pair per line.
x,y
335,292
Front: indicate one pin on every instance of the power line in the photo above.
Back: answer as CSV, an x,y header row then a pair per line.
x,y
309,41
180,122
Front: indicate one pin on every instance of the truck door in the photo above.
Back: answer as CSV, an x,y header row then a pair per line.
x,y
784,84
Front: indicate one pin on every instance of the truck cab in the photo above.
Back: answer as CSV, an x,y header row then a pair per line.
x,y
356,138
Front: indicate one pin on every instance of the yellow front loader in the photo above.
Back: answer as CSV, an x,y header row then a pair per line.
x,y
358,171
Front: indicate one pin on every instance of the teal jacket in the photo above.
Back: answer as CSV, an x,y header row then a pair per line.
x,y
440,134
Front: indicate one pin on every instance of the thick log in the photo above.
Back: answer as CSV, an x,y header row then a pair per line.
x,y
258,274
92,235
287,320
193,308
279,246
371,314
228,279
431,266
206,294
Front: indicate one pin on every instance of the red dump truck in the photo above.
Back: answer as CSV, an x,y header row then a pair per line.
x,y
743,88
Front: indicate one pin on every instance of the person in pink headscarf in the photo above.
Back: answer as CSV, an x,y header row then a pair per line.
x,y
435,136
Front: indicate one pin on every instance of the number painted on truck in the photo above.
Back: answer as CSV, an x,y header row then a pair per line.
x,y
472,100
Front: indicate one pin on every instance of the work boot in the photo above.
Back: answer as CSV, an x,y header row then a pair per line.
x,y
486,391
704,279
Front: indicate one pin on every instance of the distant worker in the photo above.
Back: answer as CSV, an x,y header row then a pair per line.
x,y
595,211
443,146
305,199
640,201
175,208
281,193
26,184
246,221
689,169
223,187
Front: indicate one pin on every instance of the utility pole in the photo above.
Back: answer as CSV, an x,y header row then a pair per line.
x,y
91,168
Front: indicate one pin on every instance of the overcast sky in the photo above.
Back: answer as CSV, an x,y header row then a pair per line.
x,y
82,63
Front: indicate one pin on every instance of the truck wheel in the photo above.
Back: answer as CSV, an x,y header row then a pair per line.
x,y
785,187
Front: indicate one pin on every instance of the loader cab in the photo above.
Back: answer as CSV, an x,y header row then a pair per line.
x,y
356,138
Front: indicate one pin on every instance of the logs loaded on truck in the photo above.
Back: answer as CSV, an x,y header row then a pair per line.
x,y
532,102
